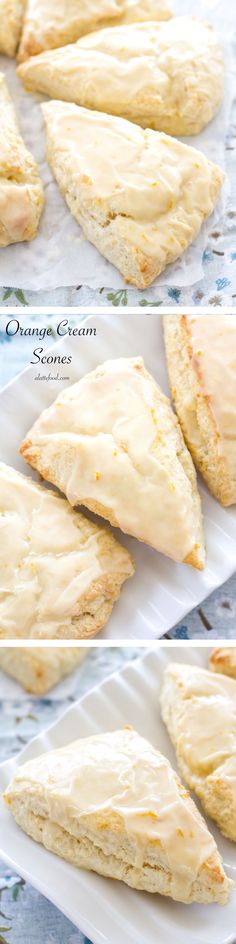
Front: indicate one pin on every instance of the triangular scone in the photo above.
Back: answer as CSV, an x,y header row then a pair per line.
x,y
21,190
145,58
39,669
11,16
114,805
60,574
201,356
223,660
48,24
139,196
199,710
112,443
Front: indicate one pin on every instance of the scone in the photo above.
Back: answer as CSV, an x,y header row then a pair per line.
x,y
114,805
21,190
38,670
60,574
135,11
223,660
139,196
112,443
11,16
166,76
201,358
48,24
199,710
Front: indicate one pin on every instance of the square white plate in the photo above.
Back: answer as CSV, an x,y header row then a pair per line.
x,y
161,592
106,911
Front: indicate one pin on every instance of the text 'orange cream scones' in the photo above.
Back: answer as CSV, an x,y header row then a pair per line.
x,y
48,24
114,805
223,660
199,710
39,669
139,196
11,17
165,76
60,574
21,190
201,357
111,442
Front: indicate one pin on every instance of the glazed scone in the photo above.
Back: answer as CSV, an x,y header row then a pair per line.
x,y
48,24
223,660
112,443
114,805
60,574
11,16
201,358
38,670
21,190
199,710
139,196
174,74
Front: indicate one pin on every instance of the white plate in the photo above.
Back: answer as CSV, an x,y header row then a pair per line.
x,y
60,255
108,911
161,592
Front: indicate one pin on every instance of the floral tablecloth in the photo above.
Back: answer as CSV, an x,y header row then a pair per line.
x,y
26,917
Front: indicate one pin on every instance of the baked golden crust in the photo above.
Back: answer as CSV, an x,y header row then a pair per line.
x,y
60,573
39,669
21,190
223,660
112,443
199,710
201,358
113,804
